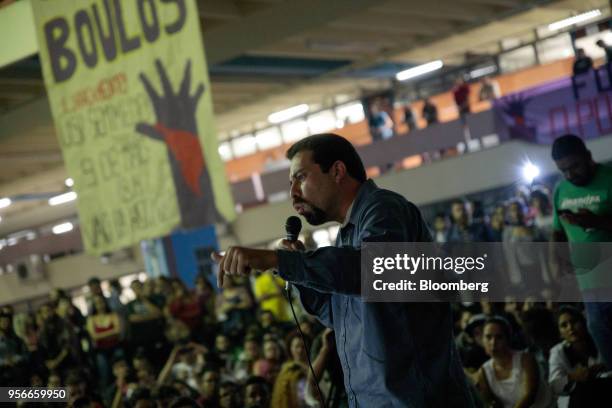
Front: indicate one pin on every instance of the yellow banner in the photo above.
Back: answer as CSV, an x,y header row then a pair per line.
x,y
131,99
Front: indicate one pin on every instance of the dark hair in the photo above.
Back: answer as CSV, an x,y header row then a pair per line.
x,y
503,323
542,195
256,380
568,145
572,311
166,392
106,306
118,358
94,280
210,366
460,201
294,335
182,402
228,384
140,393
328,148
82,402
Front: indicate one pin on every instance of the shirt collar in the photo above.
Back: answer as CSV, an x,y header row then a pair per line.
x,y
354,210
348,215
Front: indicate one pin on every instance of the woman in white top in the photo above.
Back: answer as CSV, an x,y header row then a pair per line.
x,y
510,378
576,368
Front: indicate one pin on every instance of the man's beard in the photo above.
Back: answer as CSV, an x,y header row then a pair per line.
x,y
315,215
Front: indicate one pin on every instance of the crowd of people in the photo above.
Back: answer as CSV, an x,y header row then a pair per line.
x,y
179,347
169,346
174,345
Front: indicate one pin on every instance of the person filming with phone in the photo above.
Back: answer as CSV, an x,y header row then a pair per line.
x,y
583,214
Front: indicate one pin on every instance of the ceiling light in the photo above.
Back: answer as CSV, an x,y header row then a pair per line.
x,y
480,72
63,198
62,228
289,113
530,172
69,182
419,70
5,202
557,25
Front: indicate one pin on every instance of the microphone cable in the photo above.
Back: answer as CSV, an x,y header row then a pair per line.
x,y
297,325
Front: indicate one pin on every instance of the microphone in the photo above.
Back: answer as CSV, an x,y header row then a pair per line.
x,y
293,226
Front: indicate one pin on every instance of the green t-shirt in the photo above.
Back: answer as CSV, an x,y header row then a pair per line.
x,y
596,196
588,260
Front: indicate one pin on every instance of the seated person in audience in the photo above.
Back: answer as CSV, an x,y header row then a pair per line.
x,y
58,343
106,331
185,363
470,345
290,386
541,332
94,289
184,305
146,320
256,393
295,348
54,380
229,395
141,397
583,63
225,353
165,396
440,226
121,373
510,379
577,373
209,386
206,294
541,209
14,355
246,359
77,387
269,366
234,307
148,291
328,370
463,229
268,323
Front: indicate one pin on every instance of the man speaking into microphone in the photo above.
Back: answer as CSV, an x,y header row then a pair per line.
x,y
392,354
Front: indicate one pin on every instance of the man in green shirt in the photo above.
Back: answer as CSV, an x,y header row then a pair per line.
x,y
583,213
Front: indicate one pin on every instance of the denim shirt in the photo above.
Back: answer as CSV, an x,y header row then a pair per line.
x,y
392,354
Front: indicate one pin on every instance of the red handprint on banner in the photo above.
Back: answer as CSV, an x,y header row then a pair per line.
x,y
176,126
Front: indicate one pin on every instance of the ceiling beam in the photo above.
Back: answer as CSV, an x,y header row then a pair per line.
x,y
393,23
276,22
503,3
437,10
219,9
